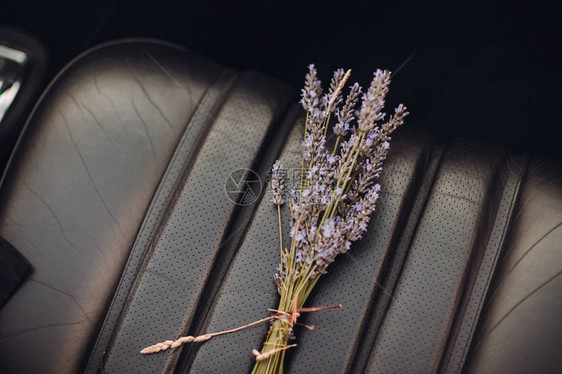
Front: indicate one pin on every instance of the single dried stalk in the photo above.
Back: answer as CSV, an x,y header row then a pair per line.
x,y
290,318
159,347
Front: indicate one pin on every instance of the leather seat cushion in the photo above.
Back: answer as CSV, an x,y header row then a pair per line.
x,y
117,195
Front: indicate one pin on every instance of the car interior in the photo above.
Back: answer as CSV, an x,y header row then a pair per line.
x,y
122,123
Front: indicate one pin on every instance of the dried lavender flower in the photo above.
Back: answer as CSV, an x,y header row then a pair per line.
x,y
277,185
345,114
373,101
395,120
312,92
359,214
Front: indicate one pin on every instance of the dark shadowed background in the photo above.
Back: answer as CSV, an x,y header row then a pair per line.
x,y
490,70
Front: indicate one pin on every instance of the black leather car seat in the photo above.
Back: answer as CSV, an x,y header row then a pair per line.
x,y
116,196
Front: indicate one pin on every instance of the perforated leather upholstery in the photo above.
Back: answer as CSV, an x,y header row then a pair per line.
x,y
116,196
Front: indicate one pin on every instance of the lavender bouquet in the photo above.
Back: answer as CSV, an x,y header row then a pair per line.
x,y
337,194
330,209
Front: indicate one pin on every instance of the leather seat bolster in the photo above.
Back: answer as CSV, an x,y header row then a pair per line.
x,y
78,187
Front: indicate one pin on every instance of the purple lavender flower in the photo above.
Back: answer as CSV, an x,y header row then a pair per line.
x,y
277,185
395,120
357,219
315,140
341,128
330,241
345,114
312,92
339,192
373,101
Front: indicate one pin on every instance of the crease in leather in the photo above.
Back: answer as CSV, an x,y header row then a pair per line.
x,y
489,210
259,262
265,157
486,219
198,128
365,342
506,188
